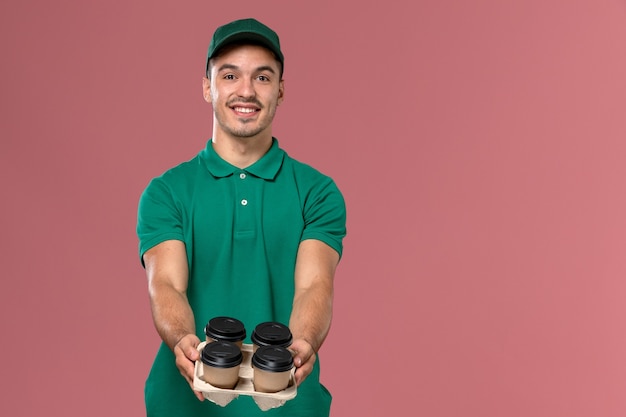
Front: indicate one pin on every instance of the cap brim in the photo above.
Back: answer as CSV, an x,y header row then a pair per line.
x,y
243,37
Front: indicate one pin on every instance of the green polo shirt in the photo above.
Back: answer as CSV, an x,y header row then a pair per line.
x,y
241,229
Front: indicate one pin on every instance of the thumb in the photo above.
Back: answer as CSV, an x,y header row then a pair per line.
x,y
301,351
297,360
189,346
193,353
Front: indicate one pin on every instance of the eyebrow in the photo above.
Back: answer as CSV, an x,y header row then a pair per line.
x,y
266,68
235,67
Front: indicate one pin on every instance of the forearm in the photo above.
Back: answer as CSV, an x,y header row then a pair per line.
x,y
312,308
312,312
167,272
171,313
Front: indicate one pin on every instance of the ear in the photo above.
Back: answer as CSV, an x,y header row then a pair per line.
x,y
281,91
206,89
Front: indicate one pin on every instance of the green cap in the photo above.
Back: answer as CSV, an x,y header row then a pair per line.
x,y
245,30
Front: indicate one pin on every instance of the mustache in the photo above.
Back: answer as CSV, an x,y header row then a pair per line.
x,y
235,101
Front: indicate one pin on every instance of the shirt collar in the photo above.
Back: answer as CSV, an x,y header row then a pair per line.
x,y
267,167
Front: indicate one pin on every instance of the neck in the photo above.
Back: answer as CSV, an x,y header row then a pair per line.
x,y
241,152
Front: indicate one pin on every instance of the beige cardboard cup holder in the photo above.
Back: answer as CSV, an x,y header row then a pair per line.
x,y
245,385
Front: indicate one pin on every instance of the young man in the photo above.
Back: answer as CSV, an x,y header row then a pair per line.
x,y
241,230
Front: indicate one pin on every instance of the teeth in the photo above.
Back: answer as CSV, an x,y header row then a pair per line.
x,y
244,110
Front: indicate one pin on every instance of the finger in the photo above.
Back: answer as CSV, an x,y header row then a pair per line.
x,y
186,368
192,353
198,394
297,360
191,370
301,374
300,356
298,377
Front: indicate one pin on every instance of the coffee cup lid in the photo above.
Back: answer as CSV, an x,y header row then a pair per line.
x,y
221,354
271,333
225,328
272,358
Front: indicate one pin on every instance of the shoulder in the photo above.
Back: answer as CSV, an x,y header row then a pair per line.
x,y
177,177
306,174
315,189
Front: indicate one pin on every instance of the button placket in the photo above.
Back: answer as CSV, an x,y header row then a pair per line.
x,y
242,176
245,203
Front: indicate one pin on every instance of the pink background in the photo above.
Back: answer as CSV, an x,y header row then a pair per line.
x,y
480,147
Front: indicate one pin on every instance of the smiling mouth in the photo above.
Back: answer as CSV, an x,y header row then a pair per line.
x,y
245,109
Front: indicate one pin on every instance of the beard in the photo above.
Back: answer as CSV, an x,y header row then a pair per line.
x,y
245,128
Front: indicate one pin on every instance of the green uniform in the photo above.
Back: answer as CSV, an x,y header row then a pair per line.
x,y
241,229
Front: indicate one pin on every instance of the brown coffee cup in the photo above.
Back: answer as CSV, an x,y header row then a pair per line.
x,y
225,329
220,364
272,367
271,333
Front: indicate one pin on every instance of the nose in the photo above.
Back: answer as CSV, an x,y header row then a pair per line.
x,y
246,88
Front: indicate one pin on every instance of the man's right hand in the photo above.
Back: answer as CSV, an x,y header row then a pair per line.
x,y
186,352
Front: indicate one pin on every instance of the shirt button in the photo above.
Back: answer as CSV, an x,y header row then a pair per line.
x,y
244,202
242,176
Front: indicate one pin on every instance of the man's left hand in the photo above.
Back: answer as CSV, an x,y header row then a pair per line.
x,y
304,358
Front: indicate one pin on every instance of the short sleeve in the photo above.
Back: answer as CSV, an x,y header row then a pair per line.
x,y
325,215
159,217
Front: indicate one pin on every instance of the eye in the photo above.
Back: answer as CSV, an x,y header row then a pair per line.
x,y
229,77
263,78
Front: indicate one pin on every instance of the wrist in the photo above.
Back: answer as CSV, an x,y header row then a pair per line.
x,y
181,339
